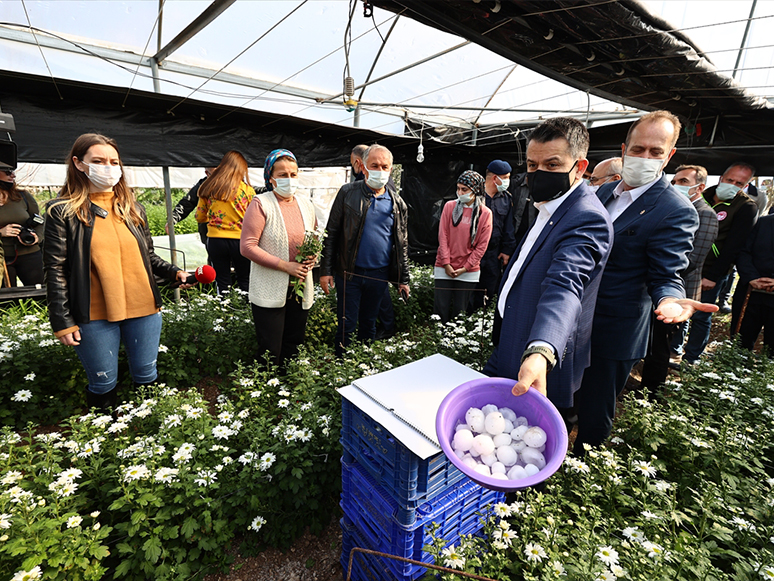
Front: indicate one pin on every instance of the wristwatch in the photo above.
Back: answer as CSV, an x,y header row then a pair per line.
x,y
546,352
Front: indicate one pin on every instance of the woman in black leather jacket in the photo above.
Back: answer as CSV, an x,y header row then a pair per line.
x,y
99,268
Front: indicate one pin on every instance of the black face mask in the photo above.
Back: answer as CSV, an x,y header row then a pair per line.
x,y
7,186
545,186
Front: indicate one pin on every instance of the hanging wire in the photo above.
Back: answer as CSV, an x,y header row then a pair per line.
x,y
145,48
53,80
348,39
252,44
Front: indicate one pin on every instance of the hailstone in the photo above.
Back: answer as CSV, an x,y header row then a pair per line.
x,y
498,467
460,454
671,310
508,414
474,417
508,425
518,445
482,469
494,423
499,476
507,455
520,421
488,409
473,452
518,432
463,440
532,456
502,440
462,427
531,469
534,437
483,444
470,462
517,473
488,459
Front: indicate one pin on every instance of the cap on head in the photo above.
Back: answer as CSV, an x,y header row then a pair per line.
x,y
499,167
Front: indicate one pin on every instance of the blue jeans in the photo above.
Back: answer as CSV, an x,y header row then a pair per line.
x,y
701,323
100,341
357,305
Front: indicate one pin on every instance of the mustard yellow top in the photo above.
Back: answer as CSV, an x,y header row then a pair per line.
x,y
120,288
224,219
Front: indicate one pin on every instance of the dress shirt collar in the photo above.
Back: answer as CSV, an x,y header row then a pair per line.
x,y
548,208
635,192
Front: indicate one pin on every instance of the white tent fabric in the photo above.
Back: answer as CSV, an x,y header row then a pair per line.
x,y
296,47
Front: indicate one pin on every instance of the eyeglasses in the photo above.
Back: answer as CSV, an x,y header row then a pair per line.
x,y
593,180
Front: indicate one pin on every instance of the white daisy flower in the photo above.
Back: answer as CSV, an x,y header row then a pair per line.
x,y
74,521
257,523
452,559
534,552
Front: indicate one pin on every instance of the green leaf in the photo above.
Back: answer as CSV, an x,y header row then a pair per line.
x,y
152,549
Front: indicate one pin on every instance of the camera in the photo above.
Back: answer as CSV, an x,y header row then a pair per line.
x,y
27,232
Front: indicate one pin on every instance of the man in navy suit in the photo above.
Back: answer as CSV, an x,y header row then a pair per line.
x,y
546,300
654,227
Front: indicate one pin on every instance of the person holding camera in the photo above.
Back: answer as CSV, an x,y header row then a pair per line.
x,y
21,229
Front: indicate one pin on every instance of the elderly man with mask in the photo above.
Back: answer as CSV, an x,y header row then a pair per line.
x,y
736,215
606,171
366,246
546,303
654,227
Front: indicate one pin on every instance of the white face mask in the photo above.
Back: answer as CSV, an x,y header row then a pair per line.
x,y
726,192
504,185
685,190
377,179
465,198
104,176
285,187
638,171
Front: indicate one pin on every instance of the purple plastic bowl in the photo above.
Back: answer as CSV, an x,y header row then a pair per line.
x,y
533,405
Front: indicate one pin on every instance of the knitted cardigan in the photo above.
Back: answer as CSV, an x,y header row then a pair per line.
x,y
268,286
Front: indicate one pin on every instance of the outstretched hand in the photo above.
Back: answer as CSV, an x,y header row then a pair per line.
x,y
532,373
689,308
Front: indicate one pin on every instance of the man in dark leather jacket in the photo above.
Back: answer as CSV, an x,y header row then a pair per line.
x,y
366,247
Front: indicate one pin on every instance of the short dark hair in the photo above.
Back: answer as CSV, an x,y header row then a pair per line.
x,y
655,117
359,150
701,172
567,128
743,165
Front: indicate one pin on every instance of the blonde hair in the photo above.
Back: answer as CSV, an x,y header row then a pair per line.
x,y
223,183
75,192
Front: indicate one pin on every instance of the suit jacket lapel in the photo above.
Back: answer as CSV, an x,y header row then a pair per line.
x,y
640,206
552,222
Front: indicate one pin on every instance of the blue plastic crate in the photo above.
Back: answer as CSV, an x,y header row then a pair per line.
x,y
408,479
373,512
365,567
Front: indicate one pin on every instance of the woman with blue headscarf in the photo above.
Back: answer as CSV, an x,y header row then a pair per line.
x,y
463,235
274,227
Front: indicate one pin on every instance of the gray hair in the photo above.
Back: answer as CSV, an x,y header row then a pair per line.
x,y
359,150
616,165
742,165
373,148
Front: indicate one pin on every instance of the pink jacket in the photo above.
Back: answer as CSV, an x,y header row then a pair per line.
x,y
454,241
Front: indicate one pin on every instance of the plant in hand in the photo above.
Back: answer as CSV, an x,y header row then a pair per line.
x,y
308,251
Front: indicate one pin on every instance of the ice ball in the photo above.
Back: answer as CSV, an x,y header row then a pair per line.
x,y
460,454
508,425
518,445
532,456
499,476
473,452
498,467
470,462
508,414
483,444
488,409
671,310
474,417
518,432
534,437
494,423
462,427
531,469
463,440
482,469
517,473
521,421
502,440
488,459
507,455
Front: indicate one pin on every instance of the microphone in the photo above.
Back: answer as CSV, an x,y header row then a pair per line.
x,y
204,274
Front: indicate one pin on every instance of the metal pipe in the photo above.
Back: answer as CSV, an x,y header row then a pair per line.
x,y
744,39
376,58
170,223
210,13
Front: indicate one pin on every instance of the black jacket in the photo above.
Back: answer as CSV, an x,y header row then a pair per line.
x,y
67,264
345,227
186,205
736,219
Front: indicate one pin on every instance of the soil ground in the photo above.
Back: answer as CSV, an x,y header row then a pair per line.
x,y
316,558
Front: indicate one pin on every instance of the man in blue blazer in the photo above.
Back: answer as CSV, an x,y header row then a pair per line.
x,y
654,227
546,300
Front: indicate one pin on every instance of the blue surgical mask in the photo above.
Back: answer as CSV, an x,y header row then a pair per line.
x,y
685,190
286,187
503,186
465,198
377,179
726,192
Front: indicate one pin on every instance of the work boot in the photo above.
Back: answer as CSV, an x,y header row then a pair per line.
x,y
103,402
